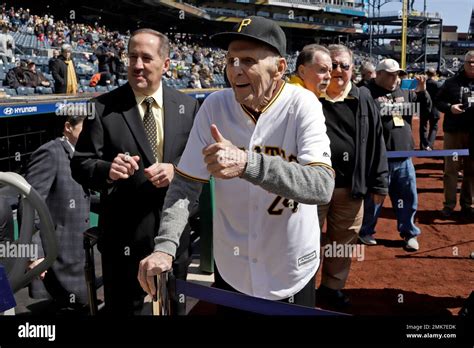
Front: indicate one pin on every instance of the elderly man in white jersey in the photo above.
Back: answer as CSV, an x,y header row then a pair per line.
x,y
265,143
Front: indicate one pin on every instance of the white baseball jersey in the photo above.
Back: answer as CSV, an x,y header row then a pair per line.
x,y
264,245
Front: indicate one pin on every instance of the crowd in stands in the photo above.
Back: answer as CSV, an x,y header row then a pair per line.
x,y
99,55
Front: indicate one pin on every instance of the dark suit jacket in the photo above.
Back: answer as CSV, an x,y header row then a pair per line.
x,y
130,209
433,87
59,71
49,173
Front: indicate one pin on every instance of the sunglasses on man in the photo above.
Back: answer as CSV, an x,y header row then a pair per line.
x,y
343,66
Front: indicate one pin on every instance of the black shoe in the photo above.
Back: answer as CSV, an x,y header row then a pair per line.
x,y
467,212
335,298
467,310
446,213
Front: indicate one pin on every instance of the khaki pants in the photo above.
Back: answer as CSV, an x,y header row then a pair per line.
x,y
344,216
451,168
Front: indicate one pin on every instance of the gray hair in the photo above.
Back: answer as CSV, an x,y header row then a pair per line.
x,y
163,50
340,48
367,66
66,48
469,54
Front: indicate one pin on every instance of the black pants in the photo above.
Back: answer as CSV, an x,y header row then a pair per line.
x,y
305,297
122,291
428,135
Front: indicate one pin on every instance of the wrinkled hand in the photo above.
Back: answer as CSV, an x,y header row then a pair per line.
x,y
224,160
151,266
421,87
378,199
457,109
123,166
33,264
160,174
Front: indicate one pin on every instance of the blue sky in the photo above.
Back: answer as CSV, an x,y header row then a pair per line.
x,y
453,12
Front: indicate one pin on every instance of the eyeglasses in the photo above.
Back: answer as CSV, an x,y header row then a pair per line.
x,y
343,66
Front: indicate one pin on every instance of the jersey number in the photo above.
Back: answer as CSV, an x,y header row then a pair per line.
x,y
287,203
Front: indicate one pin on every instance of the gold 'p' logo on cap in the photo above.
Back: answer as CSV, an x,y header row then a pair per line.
x,y
244,23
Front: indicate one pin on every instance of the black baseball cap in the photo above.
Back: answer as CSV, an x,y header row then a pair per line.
x,y
254,28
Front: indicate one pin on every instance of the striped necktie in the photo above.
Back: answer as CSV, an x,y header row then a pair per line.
x,y
150,126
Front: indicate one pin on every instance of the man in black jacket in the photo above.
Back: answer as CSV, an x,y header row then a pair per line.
x,y
429,121
128,152
15,77
107,55
357,155
35,77
397,108
453,99
63,71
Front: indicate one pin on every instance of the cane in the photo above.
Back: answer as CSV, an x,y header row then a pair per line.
x,y
162,301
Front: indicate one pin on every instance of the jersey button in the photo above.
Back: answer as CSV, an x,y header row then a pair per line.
x,y
254,260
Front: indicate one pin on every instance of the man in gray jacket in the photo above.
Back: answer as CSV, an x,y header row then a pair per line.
x,y
49,173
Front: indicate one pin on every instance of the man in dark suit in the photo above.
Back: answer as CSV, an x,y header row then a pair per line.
x,y
429,121
128,152
49,173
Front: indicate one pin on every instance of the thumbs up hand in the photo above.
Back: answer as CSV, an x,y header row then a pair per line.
x,y
218,137
224,160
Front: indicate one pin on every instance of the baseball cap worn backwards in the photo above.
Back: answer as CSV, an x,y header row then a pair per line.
x,y
254,28
389,65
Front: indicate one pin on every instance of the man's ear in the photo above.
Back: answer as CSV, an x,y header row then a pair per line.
x,y
301,71
166,65
281,67
68,128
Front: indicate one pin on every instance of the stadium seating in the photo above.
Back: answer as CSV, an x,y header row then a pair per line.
x,y
102,89
87,89
25,91
44,90
10,91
